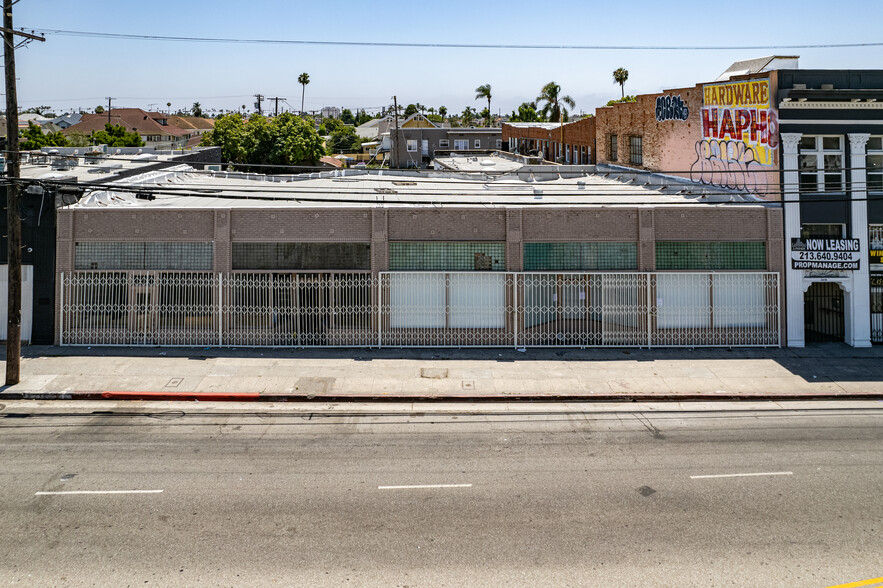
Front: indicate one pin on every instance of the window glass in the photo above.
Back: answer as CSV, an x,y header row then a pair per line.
x,y
821,231
807,143
830,142
714,255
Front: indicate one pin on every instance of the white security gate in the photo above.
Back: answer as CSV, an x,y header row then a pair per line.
x,y
420,309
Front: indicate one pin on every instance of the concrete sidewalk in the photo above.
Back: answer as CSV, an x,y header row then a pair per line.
x,y
824,371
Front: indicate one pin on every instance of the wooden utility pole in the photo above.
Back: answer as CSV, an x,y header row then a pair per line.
x,y
276,100
13,200
260,98
109,102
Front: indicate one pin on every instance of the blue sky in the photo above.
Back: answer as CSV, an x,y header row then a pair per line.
x,y
70,72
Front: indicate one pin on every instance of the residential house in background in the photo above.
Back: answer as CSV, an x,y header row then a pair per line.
x,y
153,127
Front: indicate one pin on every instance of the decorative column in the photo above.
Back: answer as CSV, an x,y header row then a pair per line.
x,y
859,328
793,277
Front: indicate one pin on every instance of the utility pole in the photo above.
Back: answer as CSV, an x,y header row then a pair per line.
x,y
395,143
109,101
13,200
260,98
276,100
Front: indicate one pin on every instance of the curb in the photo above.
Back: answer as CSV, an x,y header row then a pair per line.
x,y
257,397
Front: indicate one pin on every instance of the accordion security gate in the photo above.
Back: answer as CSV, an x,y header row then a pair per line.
x,y
420,309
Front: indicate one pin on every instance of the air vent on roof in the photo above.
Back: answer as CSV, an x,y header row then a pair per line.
x,y
827,86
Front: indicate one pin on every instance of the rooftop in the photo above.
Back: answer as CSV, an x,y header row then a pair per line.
x,y
524,186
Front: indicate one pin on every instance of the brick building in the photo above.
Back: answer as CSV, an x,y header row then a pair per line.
x,y
535,257
571,143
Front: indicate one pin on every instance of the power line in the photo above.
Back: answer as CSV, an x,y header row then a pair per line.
x,y
137,37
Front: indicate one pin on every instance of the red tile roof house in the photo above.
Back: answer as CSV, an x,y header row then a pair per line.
x,y
152,126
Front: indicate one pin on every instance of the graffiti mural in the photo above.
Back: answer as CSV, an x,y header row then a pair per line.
x,y
671,108
740,137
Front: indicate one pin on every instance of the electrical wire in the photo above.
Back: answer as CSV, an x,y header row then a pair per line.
x,y
165,38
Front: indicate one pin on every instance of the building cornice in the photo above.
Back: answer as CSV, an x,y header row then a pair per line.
x,y
831,105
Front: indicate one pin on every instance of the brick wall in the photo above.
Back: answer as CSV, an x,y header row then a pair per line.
x,y
675,146
579,134
512,226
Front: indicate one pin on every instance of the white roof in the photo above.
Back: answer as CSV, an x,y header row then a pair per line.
x,y
537,125
182,187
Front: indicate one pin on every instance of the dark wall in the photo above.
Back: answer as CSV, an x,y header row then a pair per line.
x,y
38,249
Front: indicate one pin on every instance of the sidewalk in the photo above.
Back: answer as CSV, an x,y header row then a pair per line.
x,y
823,371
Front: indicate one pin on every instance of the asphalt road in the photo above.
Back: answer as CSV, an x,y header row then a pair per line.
x,y
421,499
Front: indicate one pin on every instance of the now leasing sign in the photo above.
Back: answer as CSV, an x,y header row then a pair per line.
x,y
825,254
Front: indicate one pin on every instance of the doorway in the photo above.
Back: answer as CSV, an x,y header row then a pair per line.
x,y
823,314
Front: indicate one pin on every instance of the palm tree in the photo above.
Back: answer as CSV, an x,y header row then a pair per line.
x,y
484,91
443,112
553,109
303,79
169,107
620,75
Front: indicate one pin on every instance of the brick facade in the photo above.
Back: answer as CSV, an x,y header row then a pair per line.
x,y
676,146
577,137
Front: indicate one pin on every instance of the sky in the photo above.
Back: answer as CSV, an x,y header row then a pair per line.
x,y
72,73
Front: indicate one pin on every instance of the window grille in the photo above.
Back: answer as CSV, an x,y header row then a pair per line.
x,y
143,256
448,256
614,148
580,256
695,255
302,256
636,150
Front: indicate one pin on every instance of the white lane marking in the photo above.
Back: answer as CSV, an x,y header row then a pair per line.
x,y
420,486
743,475
98,492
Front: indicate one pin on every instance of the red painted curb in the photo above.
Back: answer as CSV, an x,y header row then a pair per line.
x,y
205,396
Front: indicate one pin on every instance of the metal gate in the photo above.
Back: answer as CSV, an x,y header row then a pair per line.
x,y
823,313
421,309
877,308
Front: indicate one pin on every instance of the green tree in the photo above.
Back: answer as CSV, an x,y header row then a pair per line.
x,y
347,117
468,116
228,133
623,99
443,112
411,109
527,112
32,138
116,136
99,109
303,79
329,125
197,109
344,139
41,110
256,144
484,92
620,75
363,117
554,109
78,139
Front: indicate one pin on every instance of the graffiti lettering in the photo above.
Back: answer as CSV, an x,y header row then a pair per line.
x,y
671,108
731,164
755,93
751,125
